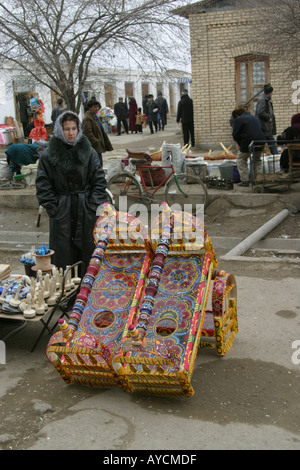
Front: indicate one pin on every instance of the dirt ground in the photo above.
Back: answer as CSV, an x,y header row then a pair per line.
x,y
247,400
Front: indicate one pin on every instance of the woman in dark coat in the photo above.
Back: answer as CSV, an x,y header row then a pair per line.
x,y
133,109
70,185
289,134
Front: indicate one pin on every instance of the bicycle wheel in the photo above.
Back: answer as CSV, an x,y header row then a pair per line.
x,y
124,184
191,191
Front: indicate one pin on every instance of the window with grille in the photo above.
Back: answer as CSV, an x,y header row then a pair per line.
x,y
252,72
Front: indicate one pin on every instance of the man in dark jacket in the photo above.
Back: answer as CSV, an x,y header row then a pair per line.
x,y
163,110
265,113
94,131
121,112
185,114
247,128
151,113
57,111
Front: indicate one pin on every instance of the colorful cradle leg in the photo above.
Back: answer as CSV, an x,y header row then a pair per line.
x,y
224,313
65,328
155,273
209,248
93,268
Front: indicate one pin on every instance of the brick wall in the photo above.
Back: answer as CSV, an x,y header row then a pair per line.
x,y
216,40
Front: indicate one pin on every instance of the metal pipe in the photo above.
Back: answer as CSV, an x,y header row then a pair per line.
x,y
244,246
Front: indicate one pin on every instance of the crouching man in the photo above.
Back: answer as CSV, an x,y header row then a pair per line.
x,y
247,128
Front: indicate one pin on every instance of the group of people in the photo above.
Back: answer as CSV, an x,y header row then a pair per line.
x,y
260,128
154,114
133,114
70,181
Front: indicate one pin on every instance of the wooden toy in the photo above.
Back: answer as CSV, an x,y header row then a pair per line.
x,y
141,313
68,283
29,312
46,286
52,299
15,302
76,279
41,305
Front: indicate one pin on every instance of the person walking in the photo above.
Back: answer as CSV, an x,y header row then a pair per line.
x,y
151,113
247,128
94,131
163,111
144,105
70,185
57,111
133,109
121,112
265,113
185,115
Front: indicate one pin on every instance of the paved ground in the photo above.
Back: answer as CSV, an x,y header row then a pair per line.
x,y
247,400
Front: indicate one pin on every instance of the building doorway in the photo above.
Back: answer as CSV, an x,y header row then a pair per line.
x,y
145,89
128,89
109,96
23,113
172,103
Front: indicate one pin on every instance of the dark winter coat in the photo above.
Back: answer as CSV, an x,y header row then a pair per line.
x,y
265,113
96,134
247,128
295,121
163,108
152,110
56,112
185,110
133,109
121,110
70,185
290,133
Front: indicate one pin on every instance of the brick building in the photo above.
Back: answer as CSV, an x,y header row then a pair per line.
x,y
229,67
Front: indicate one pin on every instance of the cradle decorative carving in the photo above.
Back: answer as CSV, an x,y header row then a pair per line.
x,y
142,310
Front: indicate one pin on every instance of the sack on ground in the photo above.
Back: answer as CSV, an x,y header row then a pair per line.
x,y
114,166
178,158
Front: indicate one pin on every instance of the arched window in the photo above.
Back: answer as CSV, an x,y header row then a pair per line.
x,y
252,72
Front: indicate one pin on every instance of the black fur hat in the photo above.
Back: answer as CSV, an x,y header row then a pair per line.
x,y
268,88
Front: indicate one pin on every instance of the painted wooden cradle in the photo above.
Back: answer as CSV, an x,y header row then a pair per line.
x,y
142,311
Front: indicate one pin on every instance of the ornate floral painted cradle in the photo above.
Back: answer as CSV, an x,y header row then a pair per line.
x,y
142,310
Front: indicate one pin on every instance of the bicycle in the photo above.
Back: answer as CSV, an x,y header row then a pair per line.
x,y
180,188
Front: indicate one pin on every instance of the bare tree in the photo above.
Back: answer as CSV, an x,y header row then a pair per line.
x,y
275,29
56,41
281,31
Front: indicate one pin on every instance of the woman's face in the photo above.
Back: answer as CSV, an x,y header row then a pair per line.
x,y
70,130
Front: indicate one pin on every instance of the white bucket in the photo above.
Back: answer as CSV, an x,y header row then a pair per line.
x,y
213,170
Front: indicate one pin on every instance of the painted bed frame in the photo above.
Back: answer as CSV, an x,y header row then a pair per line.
x,y
142,311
